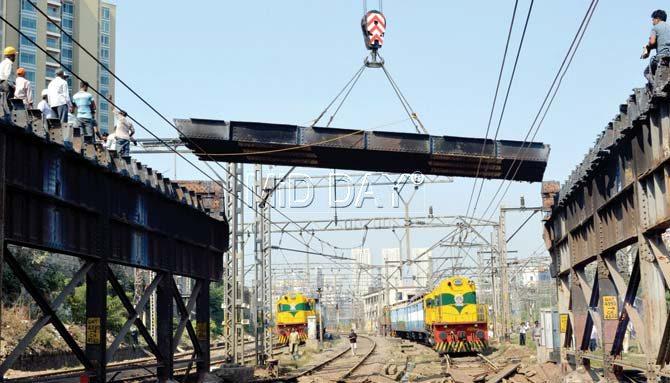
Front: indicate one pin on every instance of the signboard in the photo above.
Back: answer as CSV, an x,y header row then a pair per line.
x,y
201,330
610,307
564,323
93,330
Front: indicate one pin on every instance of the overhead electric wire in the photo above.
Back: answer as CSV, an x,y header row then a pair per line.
x,y
220,183
509,88
163,117
547,101
504,106
155,111
493,104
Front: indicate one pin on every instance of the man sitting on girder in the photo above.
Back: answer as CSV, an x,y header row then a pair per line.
x,y
659,40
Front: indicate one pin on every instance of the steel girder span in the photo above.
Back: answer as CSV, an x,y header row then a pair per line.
x,y
75,198
292,145
607,234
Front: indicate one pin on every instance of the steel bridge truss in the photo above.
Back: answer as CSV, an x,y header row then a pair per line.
x,y
76,198
291,145
616,198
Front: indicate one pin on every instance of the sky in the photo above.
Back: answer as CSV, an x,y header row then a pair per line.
x,y
283,61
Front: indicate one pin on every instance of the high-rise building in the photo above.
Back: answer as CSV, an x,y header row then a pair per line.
x,y
421,268
91,22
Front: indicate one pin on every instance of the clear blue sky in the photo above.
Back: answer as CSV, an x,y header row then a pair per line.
x,y
282,61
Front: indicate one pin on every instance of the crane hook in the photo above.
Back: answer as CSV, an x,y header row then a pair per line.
x,y
373,25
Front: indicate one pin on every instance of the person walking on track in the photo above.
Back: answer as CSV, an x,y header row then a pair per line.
x,y
293,342
522,333
352,341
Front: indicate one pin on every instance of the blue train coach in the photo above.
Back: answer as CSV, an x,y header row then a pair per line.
x,y
407,319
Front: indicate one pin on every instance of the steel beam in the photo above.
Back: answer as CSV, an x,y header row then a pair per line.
x,y
164,326
291,145
76,280
202,317
134,312
49,311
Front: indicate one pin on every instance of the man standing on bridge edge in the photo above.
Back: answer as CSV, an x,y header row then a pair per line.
x,y
352,341
659,40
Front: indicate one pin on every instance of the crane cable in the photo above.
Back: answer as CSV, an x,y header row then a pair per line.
x,y
418,125
162,116
220,182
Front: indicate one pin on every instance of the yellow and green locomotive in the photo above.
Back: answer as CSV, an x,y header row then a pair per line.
x,y
293,309
448,317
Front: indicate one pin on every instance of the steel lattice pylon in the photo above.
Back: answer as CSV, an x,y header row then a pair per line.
x,y
262,299
234,267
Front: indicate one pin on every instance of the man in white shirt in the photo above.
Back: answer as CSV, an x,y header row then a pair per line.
x,y
7,72
59,95
24,89
109,141
44,107
124,134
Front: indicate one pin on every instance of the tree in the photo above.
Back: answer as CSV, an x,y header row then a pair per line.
x,y
116,313
216,294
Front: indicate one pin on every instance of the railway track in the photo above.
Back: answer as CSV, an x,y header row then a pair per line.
x,y
339,367
140,366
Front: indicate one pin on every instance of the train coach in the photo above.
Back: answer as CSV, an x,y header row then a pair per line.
x,y
448,317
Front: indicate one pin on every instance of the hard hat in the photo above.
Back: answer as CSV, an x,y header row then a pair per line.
x,y
44,92
21,72
10,50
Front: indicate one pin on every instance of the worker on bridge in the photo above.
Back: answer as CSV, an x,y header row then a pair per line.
x,y
59,95
24,89
7,75
85,105
124,134
44,107
659,40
